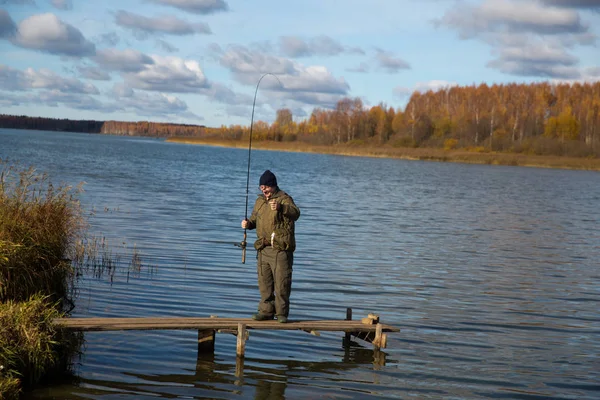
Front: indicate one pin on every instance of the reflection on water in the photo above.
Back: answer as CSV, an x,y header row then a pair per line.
x,y
491,273
217,375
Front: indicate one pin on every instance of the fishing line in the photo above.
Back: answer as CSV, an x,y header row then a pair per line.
x,y
243,244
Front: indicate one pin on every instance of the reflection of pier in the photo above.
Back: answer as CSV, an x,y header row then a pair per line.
x,y
368,329
259,378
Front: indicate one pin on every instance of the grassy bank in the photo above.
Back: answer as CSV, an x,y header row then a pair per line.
x,y
39,228
31,350
474,156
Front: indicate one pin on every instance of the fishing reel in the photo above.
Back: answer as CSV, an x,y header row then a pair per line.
x,y
243,245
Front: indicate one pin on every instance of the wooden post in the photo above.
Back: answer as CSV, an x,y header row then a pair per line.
x,y
378,333
348,318
206,341
378,359
241,340
239,368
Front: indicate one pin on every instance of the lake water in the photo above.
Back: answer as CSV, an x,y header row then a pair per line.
x,y
492,273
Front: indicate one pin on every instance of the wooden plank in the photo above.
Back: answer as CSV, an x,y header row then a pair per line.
x,y
154,323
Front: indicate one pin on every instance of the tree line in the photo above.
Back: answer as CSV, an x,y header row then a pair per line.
x,y
537,118
140,128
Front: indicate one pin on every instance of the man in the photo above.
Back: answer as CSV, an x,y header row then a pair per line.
x,y
273,217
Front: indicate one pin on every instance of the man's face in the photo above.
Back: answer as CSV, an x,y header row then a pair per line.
x,y
267,190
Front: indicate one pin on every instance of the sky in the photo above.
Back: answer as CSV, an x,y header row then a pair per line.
x,y
203,61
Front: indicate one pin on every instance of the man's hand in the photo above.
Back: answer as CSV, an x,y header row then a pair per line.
x,y
245,223
274,205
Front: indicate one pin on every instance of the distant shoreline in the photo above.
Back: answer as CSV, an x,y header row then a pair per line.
x,y
405,153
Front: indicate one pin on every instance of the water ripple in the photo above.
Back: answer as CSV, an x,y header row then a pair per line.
x,y
490,272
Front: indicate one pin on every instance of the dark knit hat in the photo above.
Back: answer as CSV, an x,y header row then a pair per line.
x,y
268,179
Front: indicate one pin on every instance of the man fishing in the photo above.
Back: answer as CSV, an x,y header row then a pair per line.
x,y
273,217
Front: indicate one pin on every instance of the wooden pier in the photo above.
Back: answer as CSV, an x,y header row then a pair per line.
x,y
368,329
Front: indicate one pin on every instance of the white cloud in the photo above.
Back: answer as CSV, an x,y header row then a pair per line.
x,y
314,99
62,4
8,99
528,38
122,90
13,79
540,54
225,95
591,74
19,2
293,46
389,63
536,70
123,60
535,57
165,46
93,73
573,3
241,61
248,65
361,68
164,24
8,27
152,104
512,16
170,75
47,33
46,79
312,85
108,39
55,98
195,6
312,79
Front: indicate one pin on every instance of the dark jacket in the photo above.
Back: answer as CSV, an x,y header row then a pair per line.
x,y
280,222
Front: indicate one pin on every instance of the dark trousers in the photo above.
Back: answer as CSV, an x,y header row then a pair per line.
x,y
274,270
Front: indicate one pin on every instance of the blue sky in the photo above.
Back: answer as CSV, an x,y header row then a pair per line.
x,y
199,61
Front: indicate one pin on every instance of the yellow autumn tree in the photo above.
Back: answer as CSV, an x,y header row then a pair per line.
x,y
564,126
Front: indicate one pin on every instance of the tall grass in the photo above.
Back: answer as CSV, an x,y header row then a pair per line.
x,y
28,338
39,226
99,258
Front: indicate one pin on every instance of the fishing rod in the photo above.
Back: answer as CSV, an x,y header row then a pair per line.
x,y
244,243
